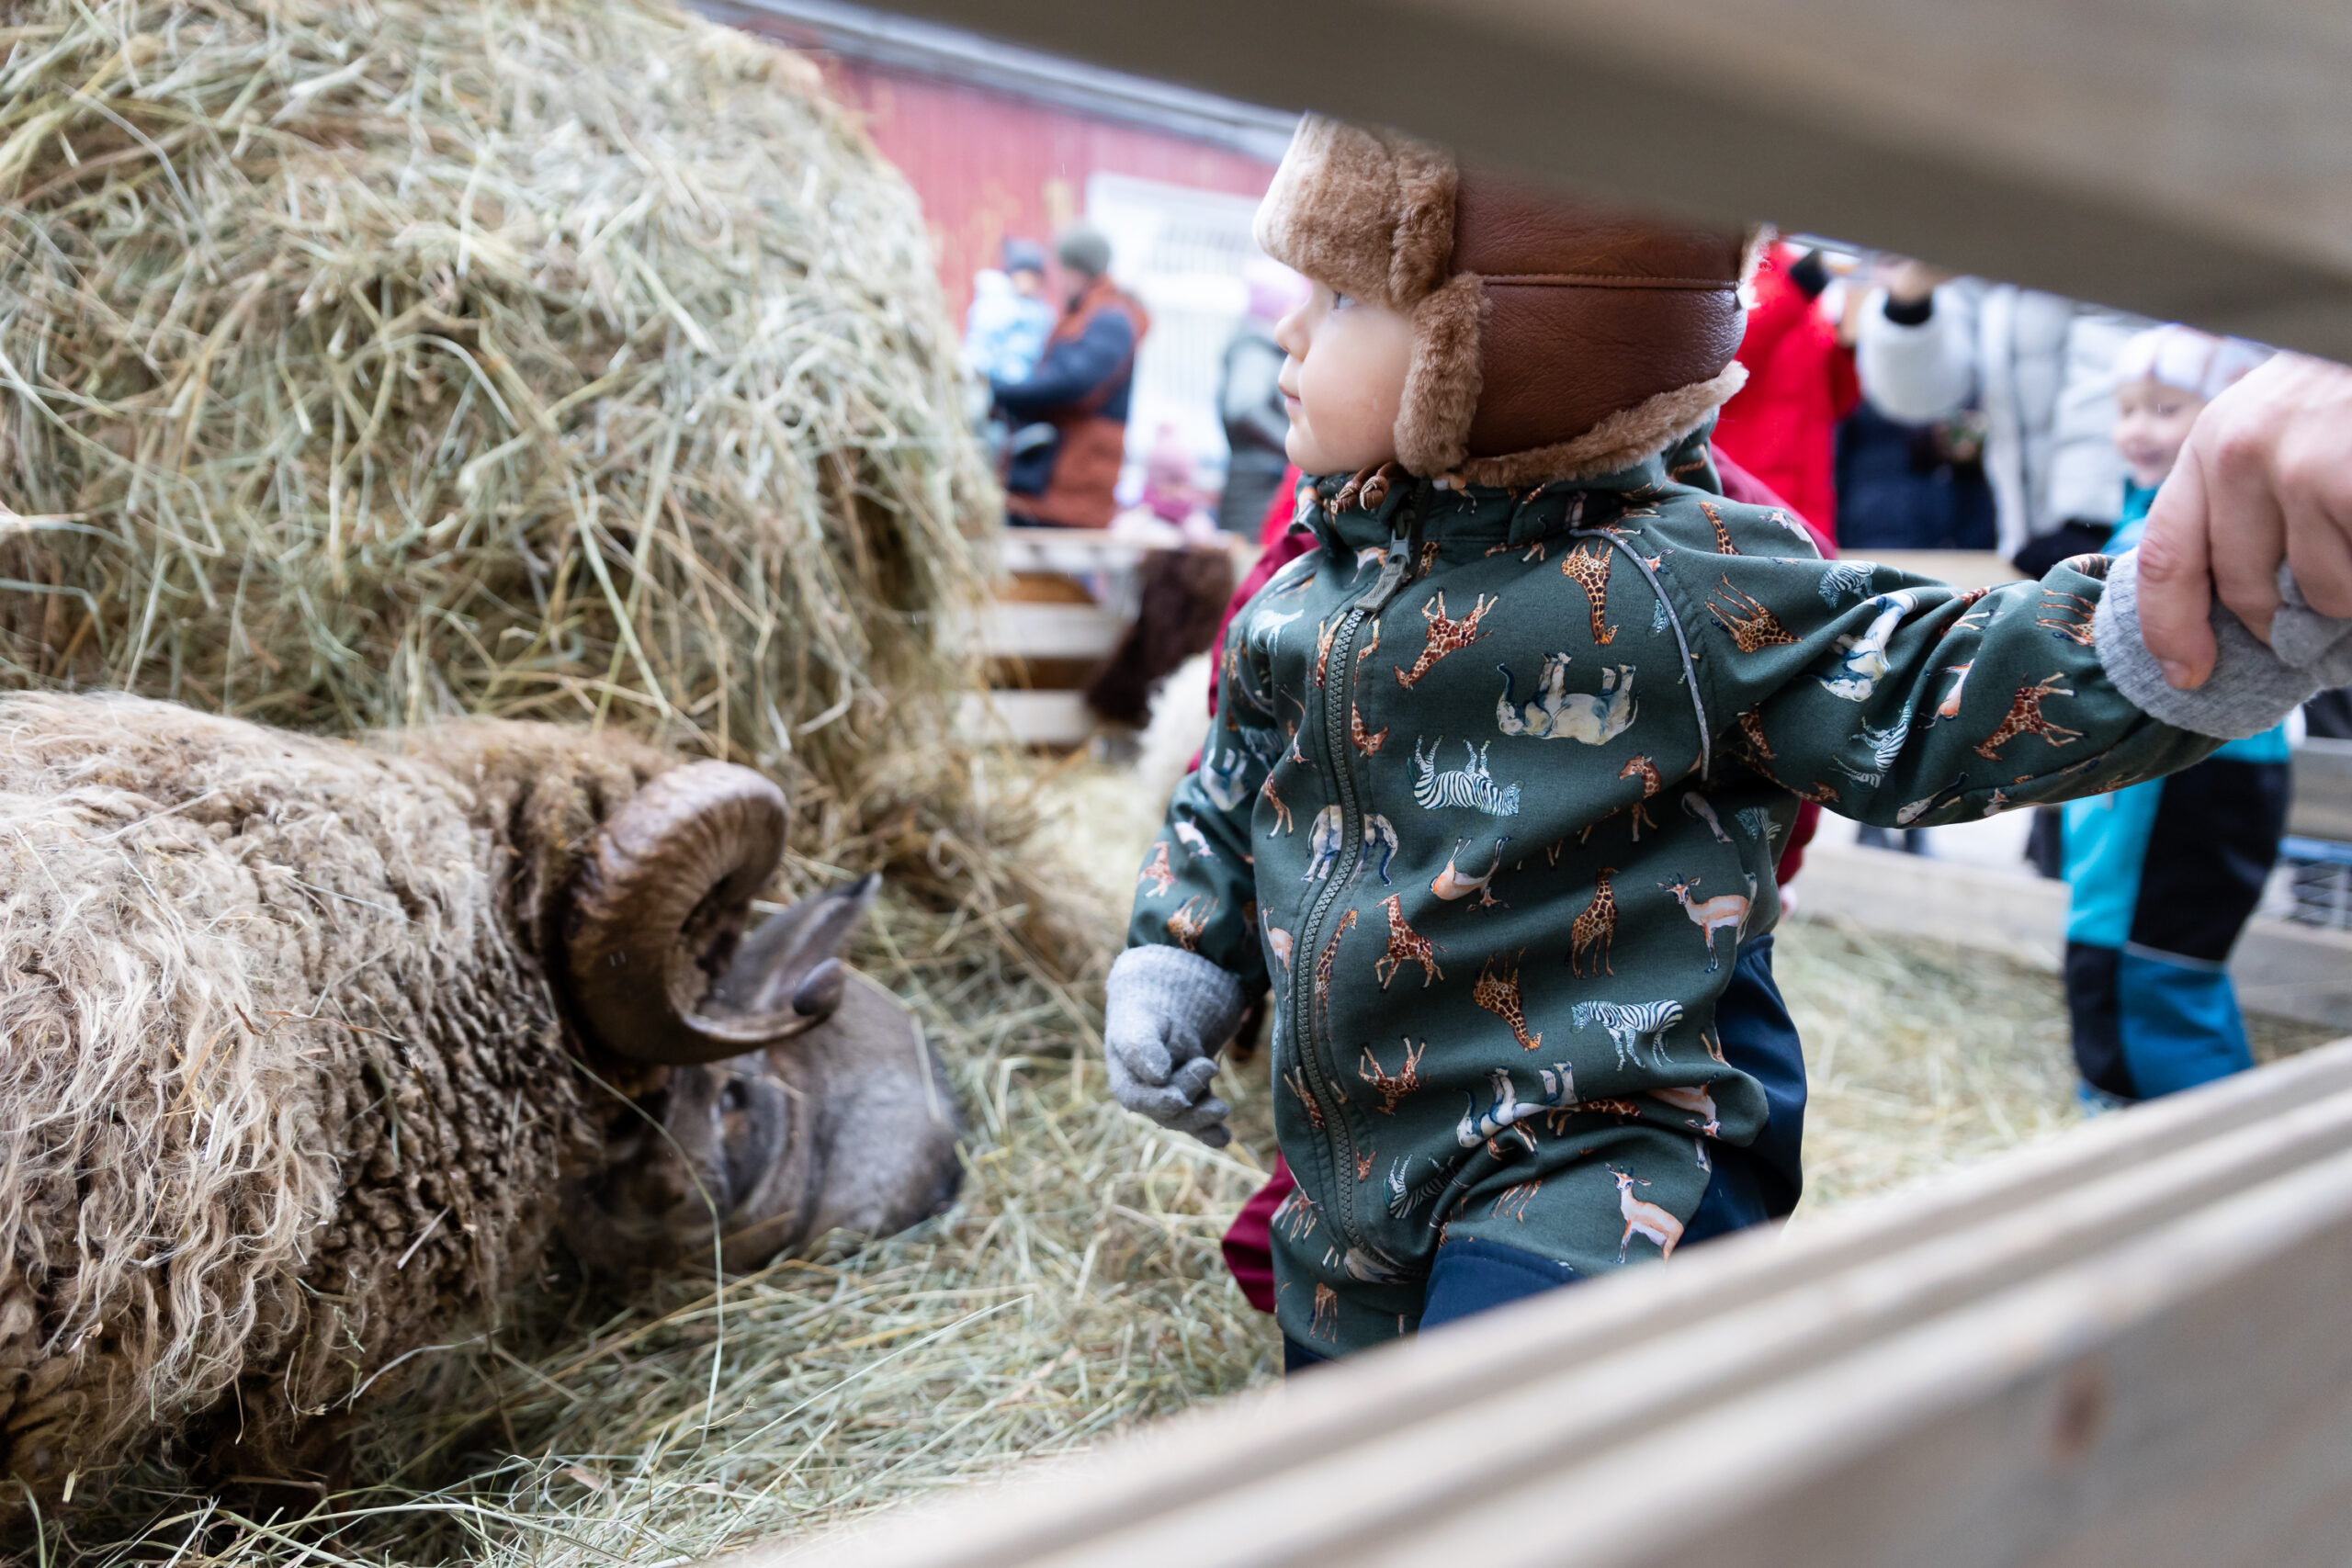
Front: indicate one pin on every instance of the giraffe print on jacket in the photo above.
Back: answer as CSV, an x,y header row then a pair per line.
x,y
1445,636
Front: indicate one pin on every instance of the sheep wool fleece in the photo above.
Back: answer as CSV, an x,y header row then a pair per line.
x,y
1495,793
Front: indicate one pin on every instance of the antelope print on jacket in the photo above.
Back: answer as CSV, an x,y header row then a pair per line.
x,y
1568,915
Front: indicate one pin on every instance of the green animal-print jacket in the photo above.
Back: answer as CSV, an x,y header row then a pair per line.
x,y
1497,790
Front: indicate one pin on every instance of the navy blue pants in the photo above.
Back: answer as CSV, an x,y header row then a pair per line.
x,y
1750,1185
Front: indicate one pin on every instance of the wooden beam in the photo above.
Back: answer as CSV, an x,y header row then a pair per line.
x,y
2121,1346
2189,159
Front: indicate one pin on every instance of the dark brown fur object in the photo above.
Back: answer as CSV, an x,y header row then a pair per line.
x,y
286,1093
1185,596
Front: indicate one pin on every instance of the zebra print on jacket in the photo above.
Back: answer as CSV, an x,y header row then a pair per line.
x,y
1630,1026
1467,786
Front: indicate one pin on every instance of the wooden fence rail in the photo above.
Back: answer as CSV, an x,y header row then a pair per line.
x,y
2003,137
2124,1346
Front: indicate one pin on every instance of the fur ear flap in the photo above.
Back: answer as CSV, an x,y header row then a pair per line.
x,y
1443,379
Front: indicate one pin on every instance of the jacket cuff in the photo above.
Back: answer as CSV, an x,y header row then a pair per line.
x,y
2252,687
1909,313
1193,996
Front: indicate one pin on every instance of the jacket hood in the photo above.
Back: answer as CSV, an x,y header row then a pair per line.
x,y
1553,338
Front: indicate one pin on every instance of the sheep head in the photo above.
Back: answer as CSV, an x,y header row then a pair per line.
x,y
847,1124
795,1097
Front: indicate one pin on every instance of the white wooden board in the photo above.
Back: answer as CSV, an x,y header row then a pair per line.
x,y
1016,629
1025,718
2121,1347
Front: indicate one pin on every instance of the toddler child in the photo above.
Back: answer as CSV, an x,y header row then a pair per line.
x,y
2163,875
1501,767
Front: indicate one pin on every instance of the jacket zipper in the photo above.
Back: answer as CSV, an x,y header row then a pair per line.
x,y
1339,696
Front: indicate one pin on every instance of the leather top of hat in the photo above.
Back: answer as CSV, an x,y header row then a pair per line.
x,y
1553,338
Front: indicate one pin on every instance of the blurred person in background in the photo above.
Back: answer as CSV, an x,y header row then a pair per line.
x,y
2328,717
1010,319
2163,875
1249,400
1171,491
1783,425
1913,486
1004,331
1069,416
2040,367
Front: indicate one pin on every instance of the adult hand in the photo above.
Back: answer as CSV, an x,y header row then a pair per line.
x,y
1908,281
2266,474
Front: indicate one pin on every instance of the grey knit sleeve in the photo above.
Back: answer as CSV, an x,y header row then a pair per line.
x,y
2252,687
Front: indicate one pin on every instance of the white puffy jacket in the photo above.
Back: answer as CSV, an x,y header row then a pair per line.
x,y
2040,367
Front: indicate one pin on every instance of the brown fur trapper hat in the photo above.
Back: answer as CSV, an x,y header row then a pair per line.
x,y
1552,339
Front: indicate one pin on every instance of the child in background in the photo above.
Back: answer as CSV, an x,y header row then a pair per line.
x,y
1006,330
1501,767
1004,333
2163,875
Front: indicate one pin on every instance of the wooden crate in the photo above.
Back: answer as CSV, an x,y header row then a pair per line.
x,y
1065,600
2122,1346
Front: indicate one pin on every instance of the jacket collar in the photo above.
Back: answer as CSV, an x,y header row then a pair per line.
x,y
1355,512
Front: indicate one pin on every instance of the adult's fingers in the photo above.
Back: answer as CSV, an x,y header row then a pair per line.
x,y
2245,530
2176,594
2318,552
2314,486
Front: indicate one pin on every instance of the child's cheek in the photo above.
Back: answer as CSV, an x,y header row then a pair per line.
x,y
1349,402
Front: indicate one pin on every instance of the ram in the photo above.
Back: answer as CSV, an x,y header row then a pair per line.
x,y
310,1051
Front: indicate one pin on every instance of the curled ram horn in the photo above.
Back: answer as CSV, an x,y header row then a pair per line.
x,y
659,966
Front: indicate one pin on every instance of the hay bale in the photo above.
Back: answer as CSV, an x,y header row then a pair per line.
x,y
363,361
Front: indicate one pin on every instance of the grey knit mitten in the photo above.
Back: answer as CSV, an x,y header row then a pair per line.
x,y
2252,687
1166,1013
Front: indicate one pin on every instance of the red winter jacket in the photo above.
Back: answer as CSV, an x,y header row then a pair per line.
x,y
1782,427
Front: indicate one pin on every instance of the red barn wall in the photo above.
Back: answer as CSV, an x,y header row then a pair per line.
x,y
987,164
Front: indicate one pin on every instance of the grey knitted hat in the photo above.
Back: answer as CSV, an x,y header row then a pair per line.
x,y
1084,249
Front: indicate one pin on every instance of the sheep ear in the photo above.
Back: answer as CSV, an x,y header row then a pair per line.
x,y
790,963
